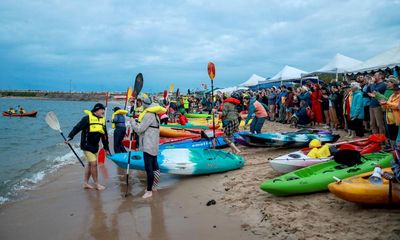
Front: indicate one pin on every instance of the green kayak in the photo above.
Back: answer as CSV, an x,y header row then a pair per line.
x,y
198,115
316,178
187,126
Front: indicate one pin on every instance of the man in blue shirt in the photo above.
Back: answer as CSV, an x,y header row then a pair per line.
x,y
375,110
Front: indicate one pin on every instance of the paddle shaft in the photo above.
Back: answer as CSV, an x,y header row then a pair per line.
x,y
69,145
212,108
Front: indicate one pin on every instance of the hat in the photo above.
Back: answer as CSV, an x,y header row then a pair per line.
x,y
355,84
98,106
116,109
146,100
315,143
396,86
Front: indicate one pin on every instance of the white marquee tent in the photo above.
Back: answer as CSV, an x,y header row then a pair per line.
x,y
287,73
253,81
339,64
386,59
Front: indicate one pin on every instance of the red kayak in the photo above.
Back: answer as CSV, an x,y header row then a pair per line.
x,y
27,114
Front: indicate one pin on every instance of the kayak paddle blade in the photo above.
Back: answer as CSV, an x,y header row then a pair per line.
x,y
101,157
52,120
138,84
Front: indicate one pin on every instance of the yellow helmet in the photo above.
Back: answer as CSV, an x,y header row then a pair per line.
x,y
315,143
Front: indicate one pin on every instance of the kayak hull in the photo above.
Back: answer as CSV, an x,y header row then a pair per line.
x,y
358,189
28,114
285,140
184,161
299,159
317,177
196,143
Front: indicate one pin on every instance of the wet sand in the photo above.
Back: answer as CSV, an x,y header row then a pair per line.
x,y
60,209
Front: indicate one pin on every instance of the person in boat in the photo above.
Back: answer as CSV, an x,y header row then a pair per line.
x,y
231,119
11,111
118,124
93,129
317,150
260,114
148,129
21,110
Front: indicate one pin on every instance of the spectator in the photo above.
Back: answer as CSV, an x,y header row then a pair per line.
x,y
357,110
375,111
316,100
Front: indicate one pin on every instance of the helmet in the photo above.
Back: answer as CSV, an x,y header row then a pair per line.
x,y
236,95
315,143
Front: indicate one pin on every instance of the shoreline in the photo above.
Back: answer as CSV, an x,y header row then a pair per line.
x,y
57,99
179,211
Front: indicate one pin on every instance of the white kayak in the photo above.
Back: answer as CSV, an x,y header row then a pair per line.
x,y
295,160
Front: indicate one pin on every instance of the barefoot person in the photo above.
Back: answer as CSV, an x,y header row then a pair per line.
x,y
230,119
93,128
148,130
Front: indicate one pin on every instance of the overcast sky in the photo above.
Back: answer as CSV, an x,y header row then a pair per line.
x,y
102,45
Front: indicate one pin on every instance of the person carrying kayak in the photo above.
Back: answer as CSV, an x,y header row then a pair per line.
x,y
93,128
231,119
118,123
148,129
260,114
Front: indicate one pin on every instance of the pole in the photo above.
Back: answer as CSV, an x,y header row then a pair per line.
x,y
212,107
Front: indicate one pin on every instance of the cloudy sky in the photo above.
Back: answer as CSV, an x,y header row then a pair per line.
x,y
101,45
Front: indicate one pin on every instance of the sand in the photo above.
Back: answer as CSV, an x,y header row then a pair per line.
x,y
60,209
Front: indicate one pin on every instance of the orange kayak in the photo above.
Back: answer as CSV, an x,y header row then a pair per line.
x,y
358,189
175,133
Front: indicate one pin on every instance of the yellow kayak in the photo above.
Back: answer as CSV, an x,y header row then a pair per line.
x,y
208,122
358,189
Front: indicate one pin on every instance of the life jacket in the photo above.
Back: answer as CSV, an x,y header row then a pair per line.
x,y
185,102
232,100
96,124
322,152
155,109
120,112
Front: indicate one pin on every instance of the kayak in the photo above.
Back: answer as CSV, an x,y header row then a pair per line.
x,y
126,142
192,133
27,114
289,139
184,161
358,189
299,159
316,178
198,115
188,125
196,143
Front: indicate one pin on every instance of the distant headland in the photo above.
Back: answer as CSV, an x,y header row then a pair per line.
x,y
60,95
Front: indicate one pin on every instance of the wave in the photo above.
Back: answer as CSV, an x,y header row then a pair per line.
x,y
28,179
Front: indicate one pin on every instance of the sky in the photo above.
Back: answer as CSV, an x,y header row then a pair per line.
x,y
99,45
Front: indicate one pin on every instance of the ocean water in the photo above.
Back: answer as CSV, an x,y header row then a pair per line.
x,y
30,149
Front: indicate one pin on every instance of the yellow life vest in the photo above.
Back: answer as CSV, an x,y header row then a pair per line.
x,y
155,109
120,112
139,109
322,152
185,102
96,124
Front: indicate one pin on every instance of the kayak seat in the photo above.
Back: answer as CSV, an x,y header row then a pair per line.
x,y
294,155
353,170
136,157
277,180
340,167
292,178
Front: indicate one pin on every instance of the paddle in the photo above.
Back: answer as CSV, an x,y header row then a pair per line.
x,y
52,121
128,95
211,74
373,138
136,90
101,157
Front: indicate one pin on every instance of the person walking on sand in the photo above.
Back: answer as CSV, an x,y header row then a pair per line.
x,y
260,114
231,119
93,128
148,129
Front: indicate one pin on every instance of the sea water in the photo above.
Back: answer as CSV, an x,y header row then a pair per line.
x,y
30,149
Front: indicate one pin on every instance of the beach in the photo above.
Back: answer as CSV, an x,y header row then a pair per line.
x,y
60,209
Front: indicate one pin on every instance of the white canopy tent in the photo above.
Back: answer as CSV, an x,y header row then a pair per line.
x,y
287,73
232,89
387,59
252,81
337,65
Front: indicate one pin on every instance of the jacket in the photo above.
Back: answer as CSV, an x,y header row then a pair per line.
x,y
89,140
357,106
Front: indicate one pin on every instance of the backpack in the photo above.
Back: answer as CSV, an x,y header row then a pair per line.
x,y
347,157
310,113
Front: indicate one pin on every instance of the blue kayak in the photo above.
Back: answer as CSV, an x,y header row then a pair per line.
x,y
184,161
200,143
290,139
